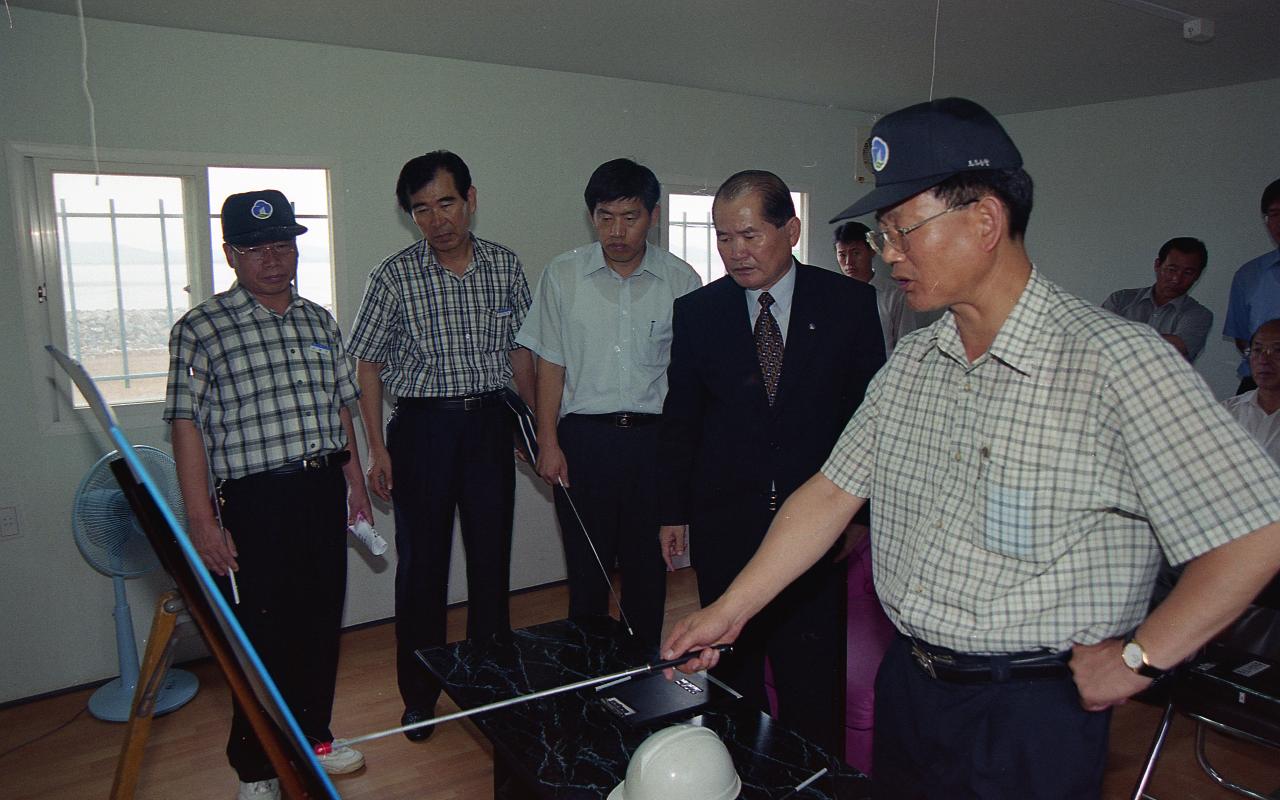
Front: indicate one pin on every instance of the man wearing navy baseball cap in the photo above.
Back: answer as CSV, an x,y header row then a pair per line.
x,y
1025,485
258,397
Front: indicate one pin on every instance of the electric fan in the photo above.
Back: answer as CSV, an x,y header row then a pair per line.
x,y
112,541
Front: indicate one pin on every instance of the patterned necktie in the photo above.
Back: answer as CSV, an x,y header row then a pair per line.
x,y
769,347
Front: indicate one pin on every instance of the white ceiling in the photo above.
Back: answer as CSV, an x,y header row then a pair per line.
x,y
868,55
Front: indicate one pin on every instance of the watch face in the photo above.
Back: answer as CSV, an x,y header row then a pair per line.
x,y
1132,655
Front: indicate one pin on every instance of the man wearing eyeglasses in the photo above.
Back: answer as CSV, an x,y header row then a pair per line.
x,y
1256,408
1025,486
258,397
1165,305
1255,288
436,330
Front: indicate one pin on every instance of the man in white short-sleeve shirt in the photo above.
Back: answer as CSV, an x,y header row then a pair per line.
x,y
601,328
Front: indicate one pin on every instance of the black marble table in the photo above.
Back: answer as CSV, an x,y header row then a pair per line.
x,y
570,747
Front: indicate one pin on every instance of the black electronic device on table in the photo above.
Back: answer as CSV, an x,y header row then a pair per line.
x,y
652,698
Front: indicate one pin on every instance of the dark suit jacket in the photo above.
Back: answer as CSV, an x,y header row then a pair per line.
x,y
721,444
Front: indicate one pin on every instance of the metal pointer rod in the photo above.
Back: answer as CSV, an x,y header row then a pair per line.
x,y
522,413
805,784
622,612
328,747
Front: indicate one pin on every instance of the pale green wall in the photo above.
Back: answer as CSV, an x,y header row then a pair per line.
x,y
531,138
1114,181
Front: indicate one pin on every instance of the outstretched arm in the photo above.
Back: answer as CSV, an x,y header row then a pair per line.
x,y
803,531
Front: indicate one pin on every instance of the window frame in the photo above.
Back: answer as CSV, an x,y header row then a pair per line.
x,y
30,167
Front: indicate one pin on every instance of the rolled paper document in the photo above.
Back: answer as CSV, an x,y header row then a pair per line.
x,y
368,537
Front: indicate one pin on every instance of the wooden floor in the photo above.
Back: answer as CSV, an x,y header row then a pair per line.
x,y
185,755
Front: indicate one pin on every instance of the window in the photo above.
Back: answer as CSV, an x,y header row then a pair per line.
x,y
691,234
123,270
117,255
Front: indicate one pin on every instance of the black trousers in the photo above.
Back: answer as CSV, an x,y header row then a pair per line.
x,y
442,461
613,481
1019,739
802,632
290,533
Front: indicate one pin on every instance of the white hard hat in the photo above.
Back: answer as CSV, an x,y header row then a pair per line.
x,y
682,762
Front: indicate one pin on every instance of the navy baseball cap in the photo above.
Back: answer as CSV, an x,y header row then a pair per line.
x,y
256,217
921,146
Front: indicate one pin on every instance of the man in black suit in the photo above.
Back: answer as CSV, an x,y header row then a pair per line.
x,y
767,365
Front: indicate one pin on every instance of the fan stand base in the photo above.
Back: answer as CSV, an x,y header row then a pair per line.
x,y
113,700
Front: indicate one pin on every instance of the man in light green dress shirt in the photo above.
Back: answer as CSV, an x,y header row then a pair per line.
x,y
601,328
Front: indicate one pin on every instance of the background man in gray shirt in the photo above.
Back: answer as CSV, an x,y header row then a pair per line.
x,y
1165,305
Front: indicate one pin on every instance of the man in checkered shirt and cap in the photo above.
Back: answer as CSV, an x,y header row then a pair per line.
x,y
259,397
1025,486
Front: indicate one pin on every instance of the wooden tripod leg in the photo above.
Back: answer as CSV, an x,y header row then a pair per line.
x,y
155,664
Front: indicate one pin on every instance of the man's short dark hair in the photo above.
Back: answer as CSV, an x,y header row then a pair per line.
x,y
850,233
775,198
418,172
622,179
1270,194
1186,244
1012,186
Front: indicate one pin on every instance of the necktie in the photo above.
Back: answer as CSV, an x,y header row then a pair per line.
x,y
769,347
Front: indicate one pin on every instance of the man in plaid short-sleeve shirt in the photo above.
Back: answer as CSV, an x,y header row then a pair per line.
x,y
261,375
1030,455
436,330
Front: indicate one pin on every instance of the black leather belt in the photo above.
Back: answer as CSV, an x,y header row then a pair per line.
x,y
952,667
337,458
622,419
473,402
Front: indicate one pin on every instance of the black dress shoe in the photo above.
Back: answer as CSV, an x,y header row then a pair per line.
x,y
413,715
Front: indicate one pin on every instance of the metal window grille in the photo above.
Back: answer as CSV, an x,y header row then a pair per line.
x,y
85,339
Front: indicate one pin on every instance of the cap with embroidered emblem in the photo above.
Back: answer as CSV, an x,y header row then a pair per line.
x,y
919,147
260,216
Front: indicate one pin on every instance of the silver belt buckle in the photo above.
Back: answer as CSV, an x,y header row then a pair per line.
x,y
313,463
925,660
471,403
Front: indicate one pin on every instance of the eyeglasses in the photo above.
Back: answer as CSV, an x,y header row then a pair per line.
x,y
1169,269
259,252
898,236
1262,351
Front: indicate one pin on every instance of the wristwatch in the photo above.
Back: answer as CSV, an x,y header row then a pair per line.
x,y
1135,658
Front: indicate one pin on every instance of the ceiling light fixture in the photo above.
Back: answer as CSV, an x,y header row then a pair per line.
x,y
1194,29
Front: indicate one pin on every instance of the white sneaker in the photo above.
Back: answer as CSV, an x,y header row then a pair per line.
x,y
260,790
341,760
